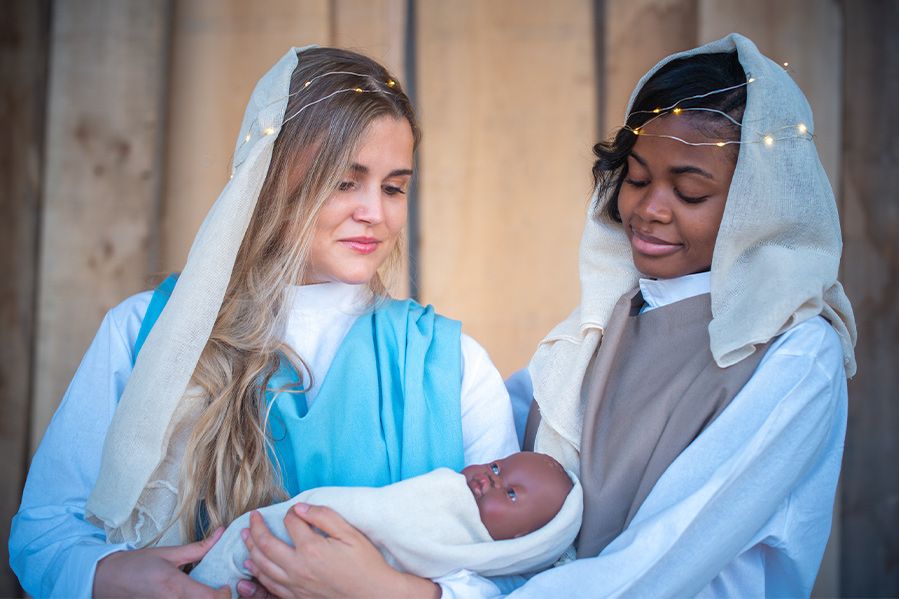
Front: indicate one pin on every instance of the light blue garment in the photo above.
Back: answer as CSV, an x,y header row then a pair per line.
x,y
54,551
398,373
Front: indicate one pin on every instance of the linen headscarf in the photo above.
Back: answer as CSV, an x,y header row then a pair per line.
x,y
136,489
775,261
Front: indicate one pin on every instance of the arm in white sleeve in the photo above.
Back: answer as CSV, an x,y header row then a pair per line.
x,y
488,432
721,495
53,550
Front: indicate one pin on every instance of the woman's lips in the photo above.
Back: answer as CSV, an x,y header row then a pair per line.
x,y
652,246
361,245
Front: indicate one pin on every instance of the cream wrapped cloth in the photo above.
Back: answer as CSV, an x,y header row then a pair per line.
x,y
427,525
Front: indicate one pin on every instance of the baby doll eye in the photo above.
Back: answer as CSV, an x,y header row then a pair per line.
x,y
512,495
494,467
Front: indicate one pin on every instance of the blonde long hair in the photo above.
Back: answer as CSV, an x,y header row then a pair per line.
x,y
227,470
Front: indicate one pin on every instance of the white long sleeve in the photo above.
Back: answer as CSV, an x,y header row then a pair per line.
x,y
54,551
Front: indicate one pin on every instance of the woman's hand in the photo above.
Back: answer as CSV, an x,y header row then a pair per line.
x,y
155,572
340,562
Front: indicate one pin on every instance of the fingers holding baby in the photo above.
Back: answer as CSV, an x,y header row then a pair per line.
x,y
322,542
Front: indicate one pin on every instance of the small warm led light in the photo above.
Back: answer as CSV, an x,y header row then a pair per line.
x,y
391,83
786,64
769,141
269,130
720,144
750,80
657,110
636,131
676,111
307,84
358,90
802,128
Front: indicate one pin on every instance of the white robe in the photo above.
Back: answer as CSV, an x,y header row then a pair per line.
x,y
54,551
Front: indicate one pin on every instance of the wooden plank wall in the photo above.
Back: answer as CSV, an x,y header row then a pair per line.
x,y
24,33
101,178
507,101
870,211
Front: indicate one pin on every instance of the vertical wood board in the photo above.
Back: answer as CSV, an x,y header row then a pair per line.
x,y
220,49
24,37
506,98
101,180
870,188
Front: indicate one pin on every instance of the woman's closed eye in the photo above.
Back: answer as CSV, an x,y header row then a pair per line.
x,y
393,190
688,198
636,182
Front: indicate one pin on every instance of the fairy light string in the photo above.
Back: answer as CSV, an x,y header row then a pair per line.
x,y
270,130
768,138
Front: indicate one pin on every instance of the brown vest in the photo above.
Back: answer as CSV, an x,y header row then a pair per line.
x,y
651,388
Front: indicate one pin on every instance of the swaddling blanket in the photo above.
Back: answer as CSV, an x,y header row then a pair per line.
x,y
427,525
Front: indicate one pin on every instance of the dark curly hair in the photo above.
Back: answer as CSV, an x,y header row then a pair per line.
x,y
676,80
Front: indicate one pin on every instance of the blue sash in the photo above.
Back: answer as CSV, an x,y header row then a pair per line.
x,y
388,408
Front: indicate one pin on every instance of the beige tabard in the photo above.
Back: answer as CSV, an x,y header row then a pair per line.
x,y
651,388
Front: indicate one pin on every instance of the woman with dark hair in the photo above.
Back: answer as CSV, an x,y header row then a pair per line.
x,y
699,389
276,363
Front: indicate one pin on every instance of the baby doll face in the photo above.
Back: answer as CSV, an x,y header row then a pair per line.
x,y
673,197
518,494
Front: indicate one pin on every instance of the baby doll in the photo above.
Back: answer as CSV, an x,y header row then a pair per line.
x,y
517,514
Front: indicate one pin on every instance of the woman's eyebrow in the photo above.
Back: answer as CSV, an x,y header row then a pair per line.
x,y
695,170
638,158
361,169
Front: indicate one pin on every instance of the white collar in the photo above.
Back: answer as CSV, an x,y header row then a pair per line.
x,y
328,296
661,292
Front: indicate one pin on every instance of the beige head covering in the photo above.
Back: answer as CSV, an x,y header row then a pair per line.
x,y
775,262
133,484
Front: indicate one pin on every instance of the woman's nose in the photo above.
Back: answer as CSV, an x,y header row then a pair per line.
x,y
654,205
369,206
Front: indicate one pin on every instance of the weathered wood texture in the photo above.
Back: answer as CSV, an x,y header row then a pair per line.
x,y
870,181
101,180
639,33
24,35
220,48
506,96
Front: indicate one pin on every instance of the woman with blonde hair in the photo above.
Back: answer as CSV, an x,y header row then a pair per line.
x,y
276,362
